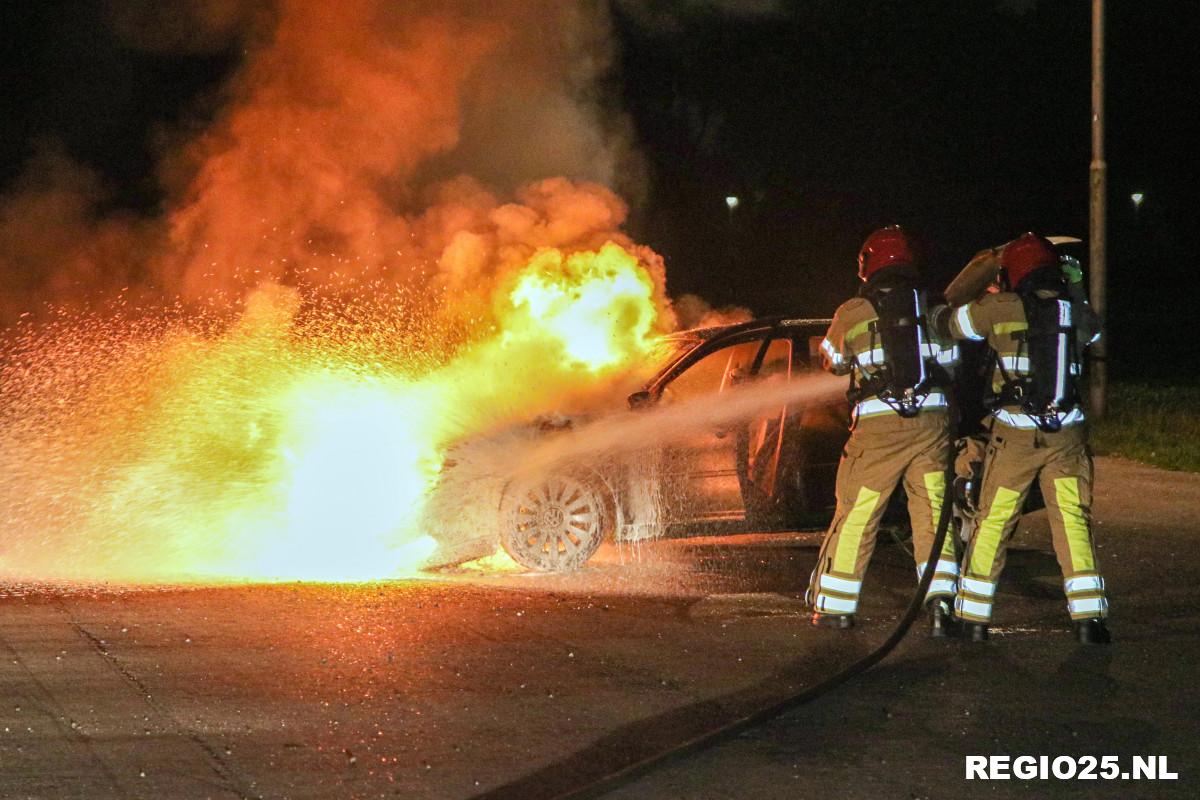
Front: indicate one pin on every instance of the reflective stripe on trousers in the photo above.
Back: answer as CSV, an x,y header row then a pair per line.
x,y
881,455
946,570
945,577
974,600
1084,588
845,558
837,595
1085,596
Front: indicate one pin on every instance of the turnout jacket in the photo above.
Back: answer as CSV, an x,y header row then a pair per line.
x,y
999,319
852,346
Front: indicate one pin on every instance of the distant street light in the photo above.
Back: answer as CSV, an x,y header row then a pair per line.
x,y
1137,198
732,201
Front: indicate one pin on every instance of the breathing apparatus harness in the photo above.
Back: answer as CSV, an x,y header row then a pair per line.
x,y
1050,387
907,374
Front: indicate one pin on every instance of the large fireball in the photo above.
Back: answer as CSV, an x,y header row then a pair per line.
x,y
364,255
277,447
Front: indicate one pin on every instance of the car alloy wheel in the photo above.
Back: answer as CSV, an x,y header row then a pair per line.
x,y
554,523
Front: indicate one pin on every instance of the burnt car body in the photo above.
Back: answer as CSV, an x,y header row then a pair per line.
x,y
772,471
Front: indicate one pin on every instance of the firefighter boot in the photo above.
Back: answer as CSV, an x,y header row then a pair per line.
x,y
941,619
838,621
975,631
1092,631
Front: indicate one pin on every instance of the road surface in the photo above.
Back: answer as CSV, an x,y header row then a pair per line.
x,y
450,687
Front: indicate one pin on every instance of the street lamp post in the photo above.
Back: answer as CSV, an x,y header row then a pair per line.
x,y
731,202
1098,388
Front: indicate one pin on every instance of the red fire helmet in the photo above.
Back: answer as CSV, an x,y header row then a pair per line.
x,y
886,247
1024,255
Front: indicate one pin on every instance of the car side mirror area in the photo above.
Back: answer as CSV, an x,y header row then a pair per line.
x,y
640,400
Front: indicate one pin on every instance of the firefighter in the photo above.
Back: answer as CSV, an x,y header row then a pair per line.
x,y
900,430
1037,328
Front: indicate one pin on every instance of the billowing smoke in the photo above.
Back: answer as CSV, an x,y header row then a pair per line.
x,y
401,229
417,144
693,311
55,246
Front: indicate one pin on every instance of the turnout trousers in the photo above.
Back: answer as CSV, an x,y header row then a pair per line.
x,y
1062,463
882,452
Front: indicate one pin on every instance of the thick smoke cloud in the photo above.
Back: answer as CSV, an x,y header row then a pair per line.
x,y
415,144
54,243
183,26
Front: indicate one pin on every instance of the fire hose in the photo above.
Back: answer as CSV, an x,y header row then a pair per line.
x,y
638,769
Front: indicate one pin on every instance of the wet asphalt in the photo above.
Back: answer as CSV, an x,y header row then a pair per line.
x,y
534,685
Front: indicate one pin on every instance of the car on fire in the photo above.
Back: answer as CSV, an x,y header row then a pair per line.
x,y
771,471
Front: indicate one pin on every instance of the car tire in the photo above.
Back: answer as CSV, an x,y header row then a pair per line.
x,y
556,522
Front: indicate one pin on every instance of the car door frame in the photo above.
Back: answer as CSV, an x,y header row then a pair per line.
x,y
762,331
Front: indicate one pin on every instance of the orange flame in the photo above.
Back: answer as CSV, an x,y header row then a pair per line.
x,y
303,440
271,453
598,307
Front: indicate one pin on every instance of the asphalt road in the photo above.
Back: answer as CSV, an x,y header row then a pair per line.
x,y
451,687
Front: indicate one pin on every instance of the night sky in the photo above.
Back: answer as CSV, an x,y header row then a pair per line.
x,y
966,121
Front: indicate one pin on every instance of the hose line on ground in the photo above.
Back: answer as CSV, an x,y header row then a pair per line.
x,y
638,769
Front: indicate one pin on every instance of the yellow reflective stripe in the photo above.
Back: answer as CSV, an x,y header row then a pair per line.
x,y
1079,543
935,486
1010,327
858,329
987,539
846,557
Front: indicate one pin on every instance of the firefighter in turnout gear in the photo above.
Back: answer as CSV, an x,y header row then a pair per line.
x,y
900,430
1037,328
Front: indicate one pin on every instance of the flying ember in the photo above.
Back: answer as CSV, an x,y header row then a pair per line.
x,y
284,445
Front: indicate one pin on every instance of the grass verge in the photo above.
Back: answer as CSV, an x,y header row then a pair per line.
x,y
1155,424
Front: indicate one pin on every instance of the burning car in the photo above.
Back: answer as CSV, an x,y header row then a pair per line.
x,y
768,470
